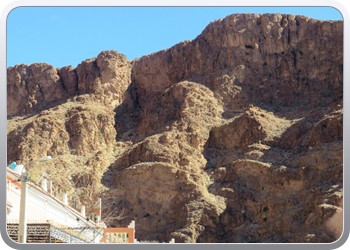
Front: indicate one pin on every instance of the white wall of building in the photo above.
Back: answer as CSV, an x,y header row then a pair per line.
x,y
42,207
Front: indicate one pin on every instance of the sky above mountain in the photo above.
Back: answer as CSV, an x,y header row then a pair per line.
x,y
63,36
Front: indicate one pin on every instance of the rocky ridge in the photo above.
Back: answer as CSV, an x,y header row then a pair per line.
x,y
235,136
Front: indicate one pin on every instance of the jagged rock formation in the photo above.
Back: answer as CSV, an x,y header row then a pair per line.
x,y
40,86
235,136
278,60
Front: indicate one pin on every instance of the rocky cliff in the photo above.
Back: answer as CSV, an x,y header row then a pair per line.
x,y
235,136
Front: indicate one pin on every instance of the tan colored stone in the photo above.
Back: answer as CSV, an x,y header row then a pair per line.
x,y
235,136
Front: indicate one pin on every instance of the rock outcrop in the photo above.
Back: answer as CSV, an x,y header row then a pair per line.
x,y
41,86
236,136
272,59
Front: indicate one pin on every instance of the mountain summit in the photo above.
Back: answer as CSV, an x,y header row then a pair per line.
x,y
235,136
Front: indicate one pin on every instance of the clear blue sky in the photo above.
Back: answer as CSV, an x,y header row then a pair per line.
x,y
63,36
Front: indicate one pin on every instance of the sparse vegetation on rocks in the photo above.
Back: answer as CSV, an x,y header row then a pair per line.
x,y
193,142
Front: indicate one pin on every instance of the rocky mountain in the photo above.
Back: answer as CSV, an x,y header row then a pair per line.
x,y
235,136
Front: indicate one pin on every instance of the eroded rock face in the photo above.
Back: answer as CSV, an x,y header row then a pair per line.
x,y
32,88
40,86
283,60
236,136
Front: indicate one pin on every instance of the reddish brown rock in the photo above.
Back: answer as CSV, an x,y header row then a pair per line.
x,y
235,136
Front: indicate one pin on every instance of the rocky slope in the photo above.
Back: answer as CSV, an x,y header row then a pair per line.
x,y
235,136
